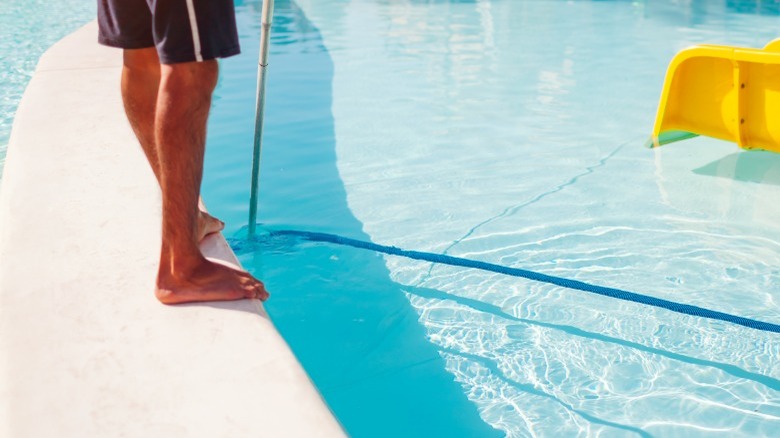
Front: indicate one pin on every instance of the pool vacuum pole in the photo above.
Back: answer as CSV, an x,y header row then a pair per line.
x,y
265,36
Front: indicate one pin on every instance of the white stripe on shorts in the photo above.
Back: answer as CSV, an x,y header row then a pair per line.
x,y
195,34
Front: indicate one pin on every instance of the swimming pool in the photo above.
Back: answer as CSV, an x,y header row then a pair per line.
x,y
509,132
29,28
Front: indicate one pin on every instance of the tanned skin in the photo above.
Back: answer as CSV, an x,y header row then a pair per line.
x,y
168,106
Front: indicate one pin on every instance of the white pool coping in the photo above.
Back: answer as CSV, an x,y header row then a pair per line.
x,y
85,348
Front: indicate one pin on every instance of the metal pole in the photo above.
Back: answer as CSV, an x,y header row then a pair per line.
x,y
265,35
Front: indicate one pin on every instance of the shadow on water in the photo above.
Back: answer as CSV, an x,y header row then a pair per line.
x,y
748,166
350,325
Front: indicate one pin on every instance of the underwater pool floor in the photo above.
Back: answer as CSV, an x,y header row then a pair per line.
x,y
510,133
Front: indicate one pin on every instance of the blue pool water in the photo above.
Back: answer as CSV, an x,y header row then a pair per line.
x,y
27,29
509,132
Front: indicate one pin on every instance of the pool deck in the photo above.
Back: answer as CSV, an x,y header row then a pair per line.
x,y
85,348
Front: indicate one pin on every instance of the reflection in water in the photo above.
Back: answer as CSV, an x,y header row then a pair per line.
x,y
761,7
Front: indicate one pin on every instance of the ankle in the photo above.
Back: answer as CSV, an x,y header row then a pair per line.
x,y
180,265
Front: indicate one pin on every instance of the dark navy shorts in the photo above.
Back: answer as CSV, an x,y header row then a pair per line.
x,y
181,30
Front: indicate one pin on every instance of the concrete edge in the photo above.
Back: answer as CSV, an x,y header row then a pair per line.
x,y
86,349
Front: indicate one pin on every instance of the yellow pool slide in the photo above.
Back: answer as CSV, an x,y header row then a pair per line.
x,y
730,93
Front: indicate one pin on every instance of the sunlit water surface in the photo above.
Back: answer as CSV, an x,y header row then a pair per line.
x,y
27,29
510,132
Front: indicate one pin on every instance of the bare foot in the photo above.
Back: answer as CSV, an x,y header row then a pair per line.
x,y
208,224
207,281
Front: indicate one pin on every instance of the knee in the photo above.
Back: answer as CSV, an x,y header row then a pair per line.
x,y
192,76
142,60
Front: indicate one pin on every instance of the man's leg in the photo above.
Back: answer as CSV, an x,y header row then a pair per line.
x,y
182,109
140,85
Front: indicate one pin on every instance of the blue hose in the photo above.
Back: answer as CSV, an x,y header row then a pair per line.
x,y
535,276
